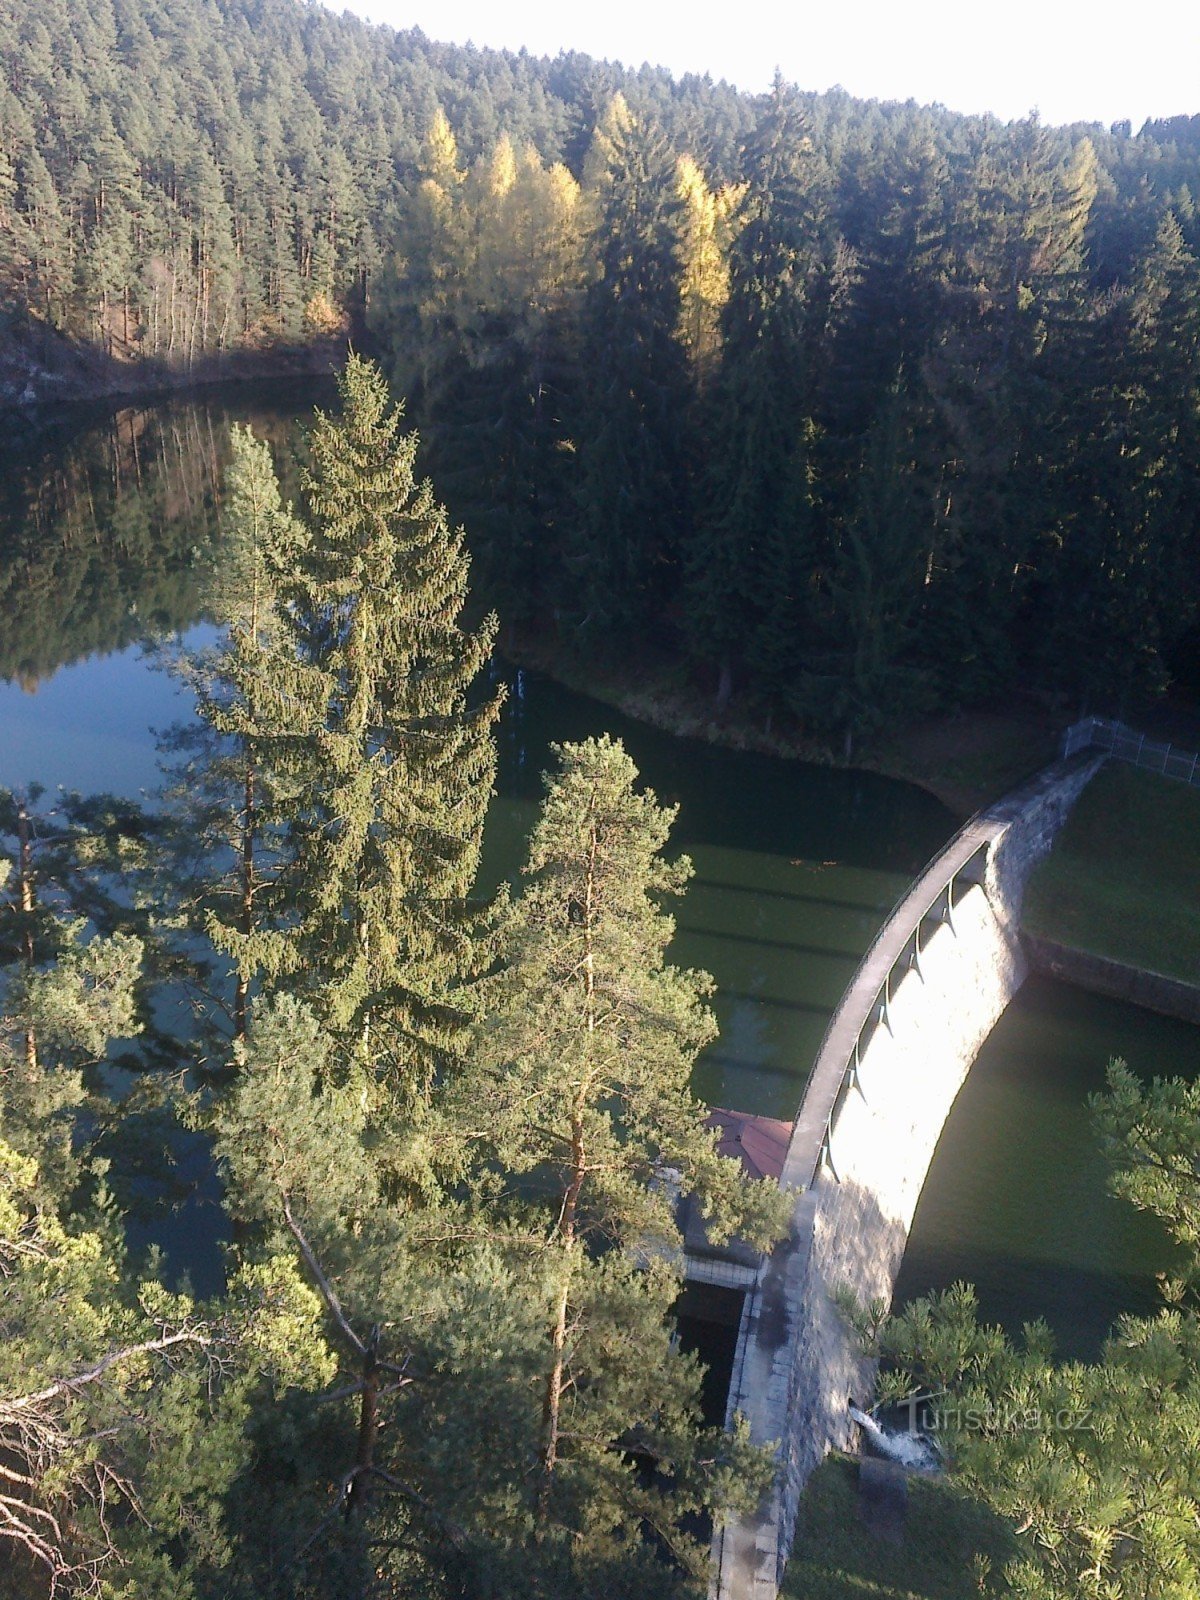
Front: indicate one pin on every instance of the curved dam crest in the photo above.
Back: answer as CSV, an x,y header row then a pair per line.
x,y
898,1048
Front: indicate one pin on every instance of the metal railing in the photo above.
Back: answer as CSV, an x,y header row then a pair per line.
x,y
1127,744
867,1006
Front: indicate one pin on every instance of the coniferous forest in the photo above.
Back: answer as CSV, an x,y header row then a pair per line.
x,y
862,411
857,413
449,1128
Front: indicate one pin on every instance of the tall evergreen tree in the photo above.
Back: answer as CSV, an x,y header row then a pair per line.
x,y
627,424
579,1089
231,772
393,742
859,671
1014,281
123,1404
758,487
1110,595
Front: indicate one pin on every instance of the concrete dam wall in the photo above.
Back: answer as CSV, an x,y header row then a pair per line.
x,y
925,997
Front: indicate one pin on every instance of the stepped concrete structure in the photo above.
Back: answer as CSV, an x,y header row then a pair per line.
x,y
898,1048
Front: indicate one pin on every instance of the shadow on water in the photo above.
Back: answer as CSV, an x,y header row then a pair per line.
x,y
734,799
1017,1197
790,948
874,908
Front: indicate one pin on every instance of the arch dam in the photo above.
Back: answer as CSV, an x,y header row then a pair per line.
x,y
926,995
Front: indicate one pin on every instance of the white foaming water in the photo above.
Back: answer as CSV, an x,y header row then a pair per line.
x,y
910,1450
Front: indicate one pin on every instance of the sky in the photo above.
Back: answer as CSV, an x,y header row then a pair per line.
x,y
1083,61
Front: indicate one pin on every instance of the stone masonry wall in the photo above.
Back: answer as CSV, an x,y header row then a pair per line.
x,y
1101,975
865,1196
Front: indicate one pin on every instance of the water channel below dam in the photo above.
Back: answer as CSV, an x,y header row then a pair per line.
x,y
107,534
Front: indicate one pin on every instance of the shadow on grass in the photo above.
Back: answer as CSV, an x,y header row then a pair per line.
x,y
836,1557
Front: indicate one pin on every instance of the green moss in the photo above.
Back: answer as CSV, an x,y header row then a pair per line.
x,y
1123,879
836,1556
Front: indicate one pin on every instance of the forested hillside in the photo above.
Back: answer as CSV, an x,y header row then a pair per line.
x,y
863,410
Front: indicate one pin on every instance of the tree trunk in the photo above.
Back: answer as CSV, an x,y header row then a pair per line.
x,y
570,1209
241,994
25,870
552,1406
368,1428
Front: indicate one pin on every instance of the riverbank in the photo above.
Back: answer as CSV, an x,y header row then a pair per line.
x,y
1170,997
967,760
1122,883
41,369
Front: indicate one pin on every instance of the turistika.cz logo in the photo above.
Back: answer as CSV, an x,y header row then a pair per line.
x,y
939,1412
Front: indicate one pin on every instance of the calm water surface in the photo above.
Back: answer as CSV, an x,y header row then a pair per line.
x,y
1016,1200
108,535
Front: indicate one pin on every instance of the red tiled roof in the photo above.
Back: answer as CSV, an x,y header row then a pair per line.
x,y
760,1143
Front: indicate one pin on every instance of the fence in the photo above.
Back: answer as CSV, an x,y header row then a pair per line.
x,y
1126,744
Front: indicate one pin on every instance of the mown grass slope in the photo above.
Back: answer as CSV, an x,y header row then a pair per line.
x,y
1123,878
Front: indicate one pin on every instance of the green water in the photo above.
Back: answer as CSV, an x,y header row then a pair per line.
x,y
795,868
1016,1200
109,535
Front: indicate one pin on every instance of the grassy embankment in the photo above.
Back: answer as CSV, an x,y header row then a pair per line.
x,y
1123,878
836,1556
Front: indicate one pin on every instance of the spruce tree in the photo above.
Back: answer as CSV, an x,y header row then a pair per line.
x,y
397,769
858,668
753,533
1012,283
1112,592
229,773
627,424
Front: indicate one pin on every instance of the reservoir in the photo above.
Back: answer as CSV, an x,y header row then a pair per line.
x,y
109,538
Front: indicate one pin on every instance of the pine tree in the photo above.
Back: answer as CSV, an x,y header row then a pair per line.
x,y
1093,1464
579,1090
123,1405
77,864
404,1482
